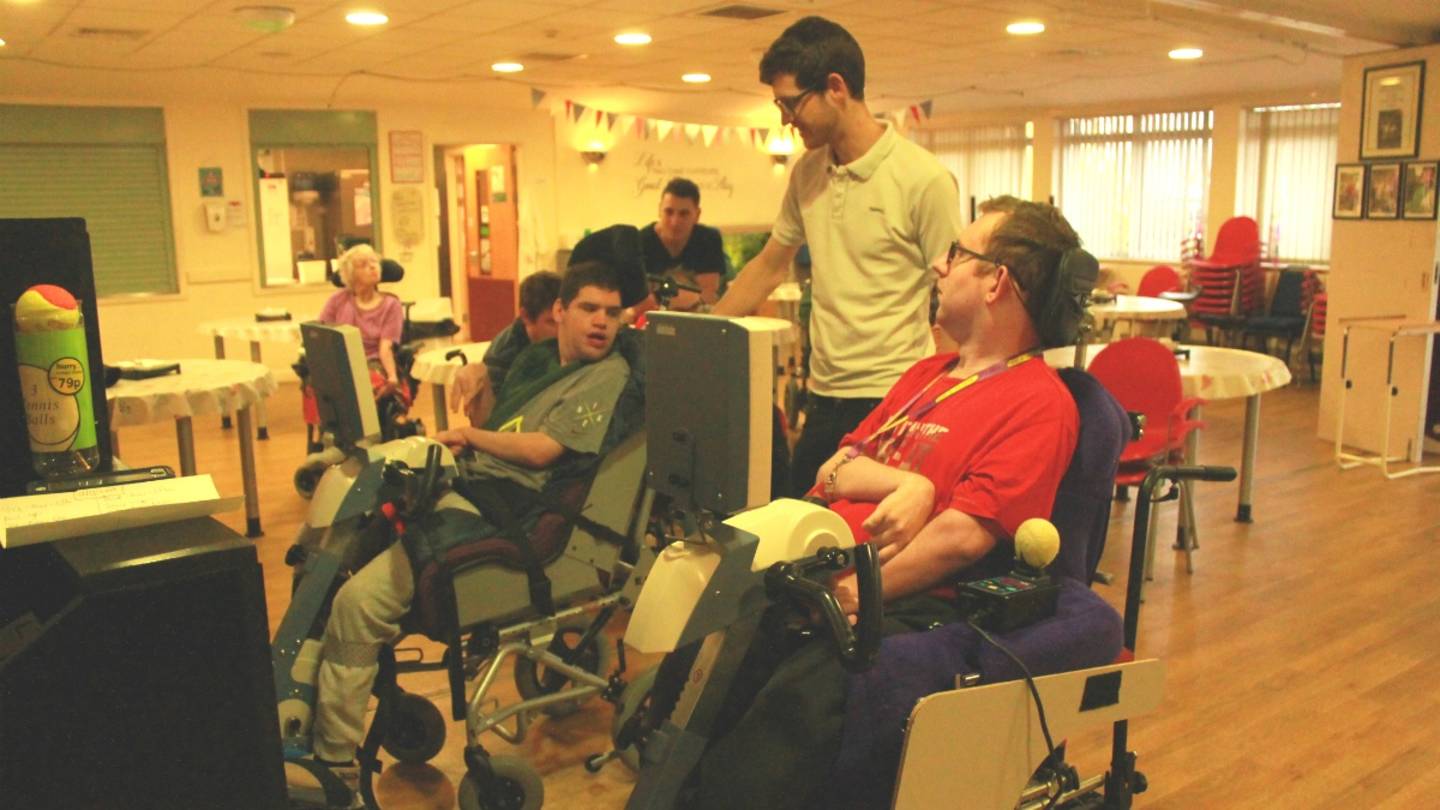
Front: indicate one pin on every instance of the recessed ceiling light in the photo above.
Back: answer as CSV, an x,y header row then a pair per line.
x,y
632,38
366,17
507,67
1186,53
2,43
1025,28
695,78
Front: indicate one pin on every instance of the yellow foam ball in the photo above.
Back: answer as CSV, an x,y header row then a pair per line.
x,y
1037,541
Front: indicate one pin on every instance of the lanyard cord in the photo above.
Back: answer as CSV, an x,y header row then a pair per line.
x,y
903,415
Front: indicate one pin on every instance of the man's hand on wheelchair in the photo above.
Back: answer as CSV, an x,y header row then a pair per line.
x,y
454,439
900,515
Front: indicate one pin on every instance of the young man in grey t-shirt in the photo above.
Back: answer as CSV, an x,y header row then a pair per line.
x,y
553,407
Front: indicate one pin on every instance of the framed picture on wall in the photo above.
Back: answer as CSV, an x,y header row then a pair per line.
x,y
1417,190
1382,192
1390,111
1349,191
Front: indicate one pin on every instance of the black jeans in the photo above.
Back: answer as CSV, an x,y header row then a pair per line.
x,y
827,420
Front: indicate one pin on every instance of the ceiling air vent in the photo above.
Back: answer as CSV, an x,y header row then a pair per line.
x,y
109,33
740,11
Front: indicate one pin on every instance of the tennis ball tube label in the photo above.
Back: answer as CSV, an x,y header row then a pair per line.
x,y
53,380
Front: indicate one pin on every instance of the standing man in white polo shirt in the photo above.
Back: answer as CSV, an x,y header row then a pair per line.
x,y
874,208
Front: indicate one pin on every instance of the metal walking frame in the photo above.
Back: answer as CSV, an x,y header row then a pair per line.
x,y
1398,328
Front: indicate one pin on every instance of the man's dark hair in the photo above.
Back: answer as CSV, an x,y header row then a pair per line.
x,y
537,292
683,188
1043,253
812,49
580,275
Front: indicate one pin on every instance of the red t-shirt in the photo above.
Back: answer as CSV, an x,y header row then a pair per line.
x,y
995,450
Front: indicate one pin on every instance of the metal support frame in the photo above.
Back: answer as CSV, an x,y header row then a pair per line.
x,y
1398,328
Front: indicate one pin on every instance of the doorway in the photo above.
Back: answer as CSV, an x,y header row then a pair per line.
x,y
479,236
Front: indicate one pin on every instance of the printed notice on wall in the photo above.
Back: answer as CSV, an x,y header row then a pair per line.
x,y
407,156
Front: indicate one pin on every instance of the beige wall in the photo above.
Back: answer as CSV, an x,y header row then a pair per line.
x,y
740,185
219,272
1380,267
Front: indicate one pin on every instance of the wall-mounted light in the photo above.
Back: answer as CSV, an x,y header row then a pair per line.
x,y
594,157
780,158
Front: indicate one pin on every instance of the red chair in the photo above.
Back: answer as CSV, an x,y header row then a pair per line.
x,y
1232,285
1143,375
1158,279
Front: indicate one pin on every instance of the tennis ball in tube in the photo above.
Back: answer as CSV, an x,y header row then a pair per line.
x,y
46,308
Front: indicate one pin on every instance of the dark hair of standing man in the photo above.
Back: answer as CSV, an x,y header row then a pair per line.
x,y
812,49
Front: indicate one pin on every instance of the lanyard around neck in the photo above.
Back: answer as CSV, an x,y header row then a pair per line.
x,y
904,415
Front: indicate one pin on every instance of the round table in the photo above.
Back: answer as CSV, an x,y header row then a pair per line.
x,y
1138,308
1211,373
437,368
202,386
254,332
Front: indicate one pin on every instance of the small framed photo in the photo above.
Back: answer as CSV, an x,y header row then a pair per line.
x,y
1417,190
1349,191
1390,111
1382,192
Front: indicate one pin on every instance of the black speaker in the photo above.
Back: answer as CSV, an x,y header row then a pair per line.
x,y
135,673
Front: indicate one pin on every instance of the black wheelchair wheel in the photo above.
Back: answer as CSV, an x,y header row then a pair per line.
x,y
534,680
517,787
417,730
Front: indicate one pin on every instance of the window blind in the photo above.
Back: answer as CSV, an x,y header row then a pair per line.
x,y
1286,174
986,161
105,165
1135,185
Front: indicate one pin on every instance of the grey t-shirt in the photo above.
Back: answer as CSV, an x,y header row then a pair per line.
x,y
575,411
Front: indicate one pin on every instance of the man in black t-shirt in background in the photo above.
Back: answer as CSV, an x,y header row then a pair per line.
x,y
678,245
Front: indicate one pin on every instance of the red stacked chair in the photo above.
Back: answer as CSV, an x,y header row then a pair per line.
x,y
1231,283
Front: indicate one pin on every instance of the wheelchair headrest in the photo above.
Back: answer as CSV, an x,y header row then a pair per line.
x,y
619,247
390,270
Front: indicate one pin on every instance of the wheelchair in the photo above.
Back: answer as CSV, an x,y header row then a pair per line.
x,y
539,594
741,590
392,403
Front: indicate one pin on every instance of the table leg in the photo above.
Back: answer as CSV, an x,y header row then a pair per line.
x,y
185,438
224,409
247,472
260,417
1247,460
442,413
1185,535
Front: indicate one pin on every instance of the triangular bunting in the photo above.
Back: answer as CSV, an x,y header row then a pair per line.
x,y
536,96
662,129
609,120
915,111
708,133
579,111
926,106
599,116
568,110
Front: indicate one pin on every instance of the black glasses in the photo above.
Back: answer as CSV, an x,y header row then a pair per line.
x,y
789,105
956,251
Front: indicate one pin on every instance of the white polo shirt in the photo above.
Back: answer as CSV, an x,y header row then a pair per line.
x,y
873,226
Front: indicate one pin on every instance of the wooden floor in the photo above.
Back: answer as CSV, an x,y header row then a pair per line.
x,y
1302,656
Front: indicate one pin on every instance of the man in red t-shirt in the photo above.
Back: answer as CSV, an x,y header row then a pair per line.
x,y
965,447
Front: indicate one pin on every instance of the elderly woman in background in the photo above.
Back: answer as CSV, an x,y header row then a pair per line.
x,y
379,316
